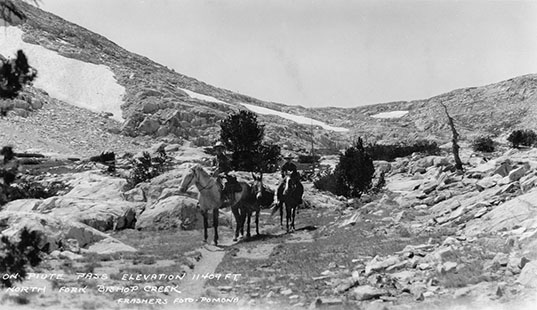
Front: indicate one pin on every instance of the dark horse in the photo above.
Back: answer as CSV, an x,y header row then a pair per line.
x,y
291,196
209,197
249,200
264,197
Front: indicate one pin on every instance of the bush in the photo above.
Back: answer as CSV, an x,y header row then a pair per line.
x,y
389,152
14,75
330,182
15,257
308,159
35,190
146,167
353,174
483,144
525,137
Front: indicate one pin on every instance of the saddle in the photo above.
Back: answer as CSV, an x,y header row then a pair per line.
x,y
233,185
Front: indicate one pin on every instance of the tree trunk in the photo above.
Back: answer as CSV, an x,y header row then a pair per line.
x,y
454,140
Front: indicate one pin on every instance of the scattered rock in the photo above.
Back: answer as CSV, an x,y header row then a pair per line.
x,y
69,255
501,259
366,292
286,292
527,276
350,221
377,264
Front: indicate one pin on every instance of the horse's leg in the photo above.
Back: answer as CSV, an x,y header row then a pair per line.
x,y
237,217
249,214
293,219
281,214
215,224
242,220
244,214
257,220
287,216
205,224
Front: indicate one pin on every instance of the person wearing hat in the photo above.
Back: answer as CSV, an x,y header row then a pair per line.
x,y
222,161
223,167
287,168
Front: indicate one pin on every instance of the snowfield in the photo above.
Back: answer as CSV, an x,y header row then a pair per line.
x,y
202,97
391,114
86,85
264,111
295,118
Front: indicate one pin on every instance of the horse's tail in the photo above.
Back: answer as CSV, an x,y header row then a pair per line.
x,y
276,208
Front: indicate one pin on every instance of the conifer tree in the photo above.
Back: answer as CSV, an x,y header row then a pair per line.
x,y
243,136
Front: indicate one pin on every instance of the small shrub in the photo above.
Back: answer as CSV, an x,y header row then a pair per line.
x,y
389,152
35,190
329,182
525,137
106,158
146,167
308,159
353,174
15,74
16,256
483,144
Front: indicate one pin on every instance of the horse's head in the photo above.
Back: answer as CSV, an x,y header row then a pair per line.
x,y
257,186
189,178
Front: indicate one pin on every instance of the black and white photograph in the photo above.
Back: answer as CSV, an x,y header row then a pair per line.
x,y
268,154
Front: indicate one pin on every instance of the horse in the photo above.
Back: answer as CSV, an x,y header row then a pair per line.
x,y
210,196
291,196
263,198
242,204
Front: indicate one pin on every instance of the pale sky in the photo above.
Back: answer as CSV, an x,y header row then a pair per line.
x,y
323,53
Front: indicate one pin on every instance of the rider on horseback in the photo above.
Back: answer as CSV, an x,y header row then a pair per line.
x,y
223,167
287,168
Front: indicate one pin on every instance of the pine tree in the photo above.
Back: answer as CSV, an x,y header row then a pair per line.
x,y
243,136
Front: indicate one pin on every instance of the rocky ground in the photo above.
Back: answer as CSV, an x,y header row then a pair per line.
x,y
64,130
432,239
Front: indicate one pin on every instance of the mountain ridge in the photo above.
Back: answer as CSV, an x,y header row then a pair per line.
x,y
155,105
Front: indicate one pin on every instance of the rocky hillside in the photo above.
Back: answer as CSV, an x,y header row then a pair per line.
x,y
158,101
494,109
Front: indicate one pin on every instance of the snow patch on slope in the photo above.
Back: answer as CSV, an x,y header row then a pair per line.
x,y
391,114
201,97
296,118
265,111
86,85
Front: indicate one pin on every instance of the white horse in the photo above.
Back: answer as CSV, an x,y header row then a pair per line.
x,y
210,196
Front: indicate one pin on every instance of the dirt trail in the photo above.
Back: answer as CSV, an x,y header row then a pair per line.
x,y
211,256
